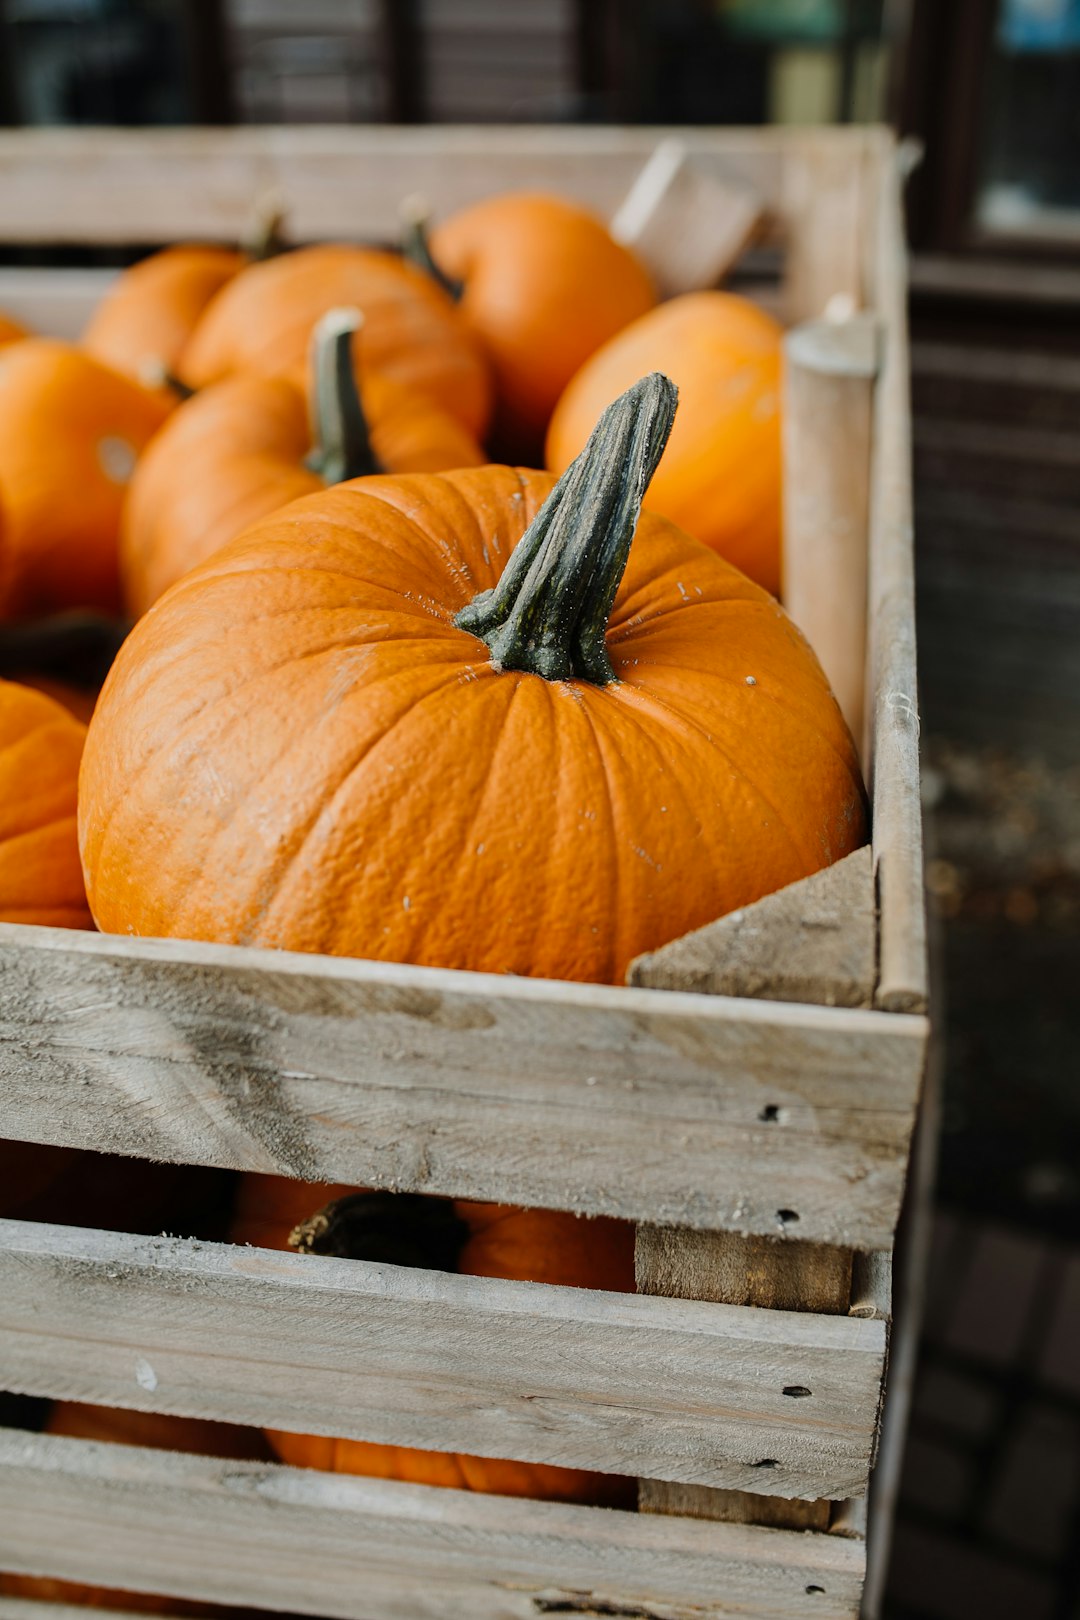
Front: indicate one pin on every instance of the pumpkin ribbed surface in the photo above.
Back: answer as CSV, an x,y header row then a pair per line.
x,y
40,748
71,431
298,748
413,334
720,477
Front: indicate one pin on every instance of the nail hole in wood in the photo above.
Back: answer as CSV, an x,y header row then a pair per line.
x,y
820,1589
765,1462
769,1114
787,1217
797,1392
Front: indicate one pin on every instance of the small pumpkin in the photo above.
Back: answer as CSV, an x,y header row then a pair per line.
x,y
479,1240
41,745
71,431
543,284
10,330
148,315
243,447
434,747
156,1432
720,477
262,321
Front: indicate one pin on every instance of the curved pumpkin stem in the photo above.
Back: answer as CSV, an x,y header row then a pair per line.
x,y
397,1229
415,246
339,429
154,373
549,612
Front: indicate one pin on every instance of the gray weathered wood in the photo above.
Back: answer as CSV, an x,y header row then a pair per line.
x,y
635,1103
357,1549
815,941
57,303
568,1376
829,371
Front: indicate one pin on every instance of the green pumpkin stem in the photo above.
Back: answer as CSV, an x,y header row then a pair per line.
x,y
415,246
396,1229
339,429
549,612
266,237
154,373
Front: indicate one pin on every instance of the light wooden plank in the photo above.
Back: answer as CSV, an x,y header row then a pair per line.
x,y
827,195
829,371
637,1103
582,1379
323,1544
893,688
146,186
57,303
815,941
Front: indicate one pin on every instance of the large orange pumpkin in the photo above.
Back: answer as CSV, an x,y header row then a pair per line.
x,y
148,315
543,284
490,1240
393,721
157,1432
720,475
243,447
41,745
71,431
262,322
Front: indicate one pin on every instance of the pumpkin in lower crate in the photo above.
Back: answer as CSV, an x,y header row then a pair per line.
x,y
41,745
156,1431
71,431
543,284
394,721
479,1240
147,317
720,476
243,447
413,334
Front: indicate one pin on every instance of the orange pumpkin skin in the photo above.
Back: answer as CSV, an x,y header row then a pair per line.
x,y
71,431
235,453
11,331
519,1244
41,745
545,285
262,321
148,316
391,794
720,477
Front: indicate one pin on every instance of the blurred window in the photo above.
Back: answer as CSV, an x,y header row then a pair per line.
x,y
97,61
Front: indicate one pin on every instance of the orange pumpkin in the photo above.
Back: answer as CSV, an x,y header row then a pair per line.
x,y
720,478
432,746
492,1241
149,314
156,1432
243,447
543,284
11,331
41,745
71,431
262,322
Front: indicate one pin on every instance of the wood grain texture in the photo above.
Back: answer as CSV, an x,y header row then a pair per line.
x,y
635,1103
828,194
323,1544
815,941
892,680
829,371
610,1382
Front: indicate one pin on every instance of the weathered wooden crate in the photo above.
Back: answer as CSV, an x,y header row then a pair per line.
x,y
761,1141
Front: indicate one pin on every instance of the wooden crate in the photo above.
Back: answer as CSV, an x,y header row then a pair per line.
x,y
749,1100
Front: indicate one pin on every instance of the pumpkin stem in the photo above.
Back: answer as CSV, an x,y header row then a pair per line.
x,y
154,373
339,429
548,614
265,238
396,1229
415,246
76,647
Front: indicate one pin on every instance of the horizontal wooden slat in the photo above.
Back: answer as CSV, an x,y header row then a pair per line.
x,y
103,185
679,1109
322,1544
661,1388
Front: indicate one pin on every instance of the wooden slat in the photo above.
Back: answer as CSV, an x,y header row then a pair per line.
x,y
637,1103
103,185
323,1544
55,302
827,195
815,941
894,714
611,1382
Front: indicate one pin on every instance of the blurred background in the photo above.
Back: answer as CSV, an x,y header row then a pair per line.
x,y
991,89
